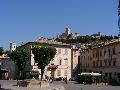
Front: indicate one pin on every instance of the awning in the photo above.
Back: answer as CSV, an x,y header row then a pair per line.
x,y
90,74
95,74
52,66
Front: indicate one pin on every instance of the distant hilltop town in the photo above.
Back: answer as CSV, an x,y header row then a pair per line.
x,y
72,38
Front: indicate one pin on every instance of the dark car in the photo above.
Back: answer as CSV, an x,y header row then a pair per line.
x,y
59,79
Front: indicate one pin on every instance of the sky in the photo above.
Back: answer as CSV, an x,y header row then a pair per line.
x,y
27,20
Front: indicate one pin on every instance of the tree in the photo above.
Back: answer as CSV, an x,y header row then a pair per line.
x,y
43,55
7,52
20,57
1,51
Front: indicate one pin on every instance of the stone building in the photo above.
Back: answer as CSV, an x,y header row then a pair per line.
x,y
12,46
104,59
7,68
64,61
74,61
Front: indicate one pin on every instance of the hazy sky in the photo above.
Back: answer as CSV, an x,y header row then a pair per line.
x,y
26,20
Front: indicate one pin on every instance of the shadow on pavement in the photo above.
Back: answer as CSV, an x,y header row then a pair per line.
x,y
76,82
4,89
15,85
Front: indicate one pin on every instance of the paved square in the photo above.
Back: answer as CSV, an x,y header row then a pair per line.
x,y
72,85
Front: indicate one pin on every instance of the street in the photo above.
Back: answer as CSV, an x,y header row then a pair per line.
x,y
71,85
11,85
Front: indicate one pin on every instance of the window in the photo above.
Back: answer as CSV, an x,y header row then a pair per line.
x,y
105,61
110,75
88,65
59,51
60,62
97,54
100,53
65,73
90,58
109,51
93,63
96,63
113,51
100,63
104,52
109,62
66,61
118,74
58,72
106,74
66,51
114,63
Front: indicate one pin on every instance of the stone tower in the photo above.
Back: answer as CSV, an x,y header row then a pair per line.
x,y
67,31
12,46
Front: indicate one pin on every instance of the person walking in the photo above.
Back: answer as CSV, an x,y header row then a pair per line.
x,y
65,80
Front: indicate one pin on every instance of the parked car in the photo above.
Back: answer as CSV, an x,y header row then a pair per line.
x,y
59,79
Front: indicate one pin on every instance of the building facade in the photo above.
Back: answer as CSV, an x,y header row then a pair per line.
x,y
104,59
60,66
7,68
74,61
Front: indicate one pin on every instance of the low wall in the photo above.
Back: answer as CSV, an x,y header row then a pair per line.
x,y
32,83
